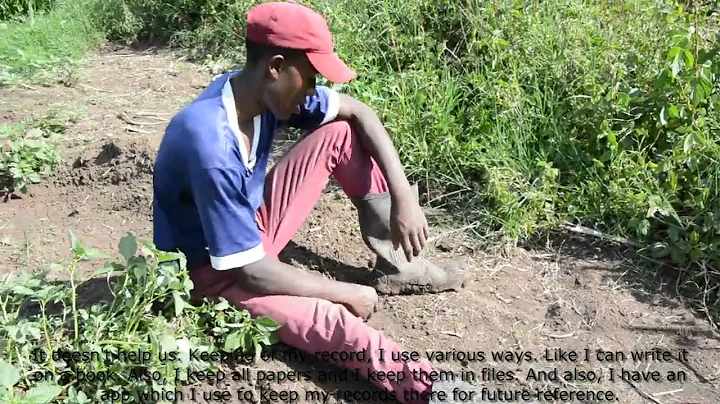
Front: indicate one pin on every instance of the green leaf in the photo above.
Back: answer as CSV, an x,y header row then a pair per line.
x,y
104,270
33,178
222,305
34,133
234,340
128,246
623,99
22,290
673,111
676,64
9,376
30,329
179,303
74,243
94,253
272,339
612,139
683,130
139,272
689,58
689,142
701,89
267,323
42,393
258,351
247,341
81,398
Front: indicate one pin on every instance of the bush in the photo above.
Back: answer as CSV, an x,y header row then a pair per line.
x,y
58,347
18,8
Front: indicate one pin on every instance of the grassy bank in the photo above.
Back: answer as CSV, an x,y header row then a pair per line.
x,y
46,46
528,114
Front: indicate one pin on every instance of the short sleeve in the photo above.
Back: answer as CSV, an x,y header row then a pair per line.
x,y
228,219
318,110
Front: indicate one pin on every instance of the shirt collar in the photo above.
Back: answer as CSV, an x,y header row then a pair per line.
x,y
228,100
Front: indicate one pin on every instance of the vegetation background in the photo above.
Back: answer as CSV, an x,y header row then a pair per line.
x,y
525,116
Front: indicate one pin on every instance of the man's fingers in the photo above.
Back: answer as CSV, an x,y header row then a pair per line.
x,y
422,238
417,243
395,240
407,246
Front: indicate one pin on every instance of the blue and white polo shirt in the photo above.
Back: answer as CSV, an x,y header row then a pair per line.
x,y
208,187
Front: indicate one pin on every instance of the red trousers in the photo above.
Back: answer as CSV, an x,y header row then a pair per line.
x,y
309,324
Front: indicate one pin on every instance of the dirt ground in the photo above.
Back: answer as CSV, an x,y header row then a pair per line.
x,y
569,298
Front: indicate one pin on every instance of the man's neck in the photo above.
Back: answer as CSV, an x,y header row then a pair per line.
x,y
248,99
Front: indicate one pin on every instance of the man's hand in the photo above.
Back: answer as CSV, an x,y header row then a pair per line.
x,y
408,227
362,303
273,277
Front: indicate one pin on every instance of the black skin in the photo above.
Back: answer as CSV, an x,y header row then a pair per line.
x,y
280,85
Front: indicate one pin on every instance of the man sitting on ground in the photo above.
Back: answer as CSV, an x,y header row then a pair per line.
x,y
214,202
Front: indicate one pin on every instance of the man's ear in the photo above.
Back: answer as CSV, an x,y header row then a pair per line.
x,y
275,66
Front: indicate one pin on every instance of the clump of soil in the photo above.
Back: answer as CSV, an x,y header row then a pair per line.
x,y
555,316
118,174
114,164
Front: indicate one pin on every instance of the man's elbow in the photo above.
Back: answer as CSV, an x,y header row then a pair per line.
x,y
353,109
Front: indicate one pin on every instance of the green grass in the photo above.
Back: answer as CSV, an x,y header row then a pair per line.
x,y
33,49
11,9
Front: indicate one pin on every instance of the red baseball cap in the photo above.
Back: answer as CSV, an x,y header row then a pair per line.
x,y
294,26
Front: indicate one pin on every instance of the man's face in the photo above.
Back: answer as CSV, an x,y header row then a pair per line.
x,y
291,82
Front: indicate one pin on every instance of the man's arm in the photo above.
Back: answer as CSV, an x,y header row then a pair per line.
x,y
408,225
376,141
234,242
274,277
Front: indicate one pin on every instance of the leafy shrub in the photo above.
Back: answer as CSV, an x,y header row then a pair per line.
x,y
20,8
40,317
26,154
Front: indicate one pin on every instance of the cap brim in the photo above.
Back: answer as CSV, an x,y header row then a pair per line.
x,y
330,66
